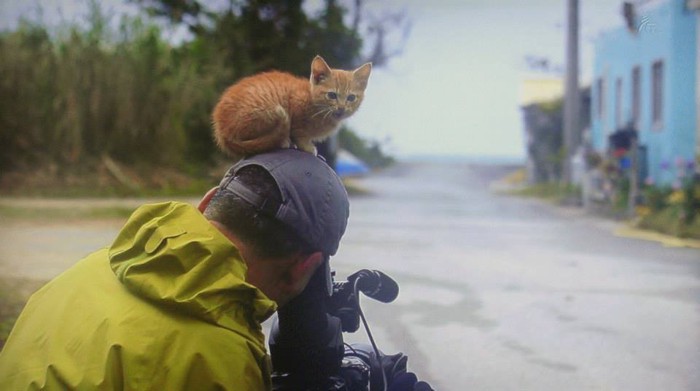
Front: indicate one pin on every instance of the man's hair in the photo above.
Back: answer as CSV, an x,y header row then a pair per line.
x,y
266,236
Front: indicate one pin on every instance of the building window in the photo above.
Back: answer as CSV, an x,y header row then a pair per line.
x,y
636,96
657,96
600,87
618,103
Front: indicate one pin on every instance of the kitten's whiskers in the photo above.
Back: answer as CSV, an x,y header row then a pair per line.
x,y
321,111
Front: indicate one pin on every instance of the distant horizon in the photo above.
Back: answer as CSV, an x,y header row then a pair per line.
x,y
463,158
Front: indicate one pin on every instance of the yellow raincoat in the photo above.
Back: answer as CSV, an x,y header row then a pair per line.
x,y
165,307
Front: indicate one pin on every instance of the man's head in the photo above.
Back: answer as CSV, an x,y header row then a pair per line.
x,y
287,210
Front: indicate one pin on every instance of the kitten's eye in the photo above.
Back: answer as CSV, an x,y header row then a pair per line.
x,y
332,95
351,98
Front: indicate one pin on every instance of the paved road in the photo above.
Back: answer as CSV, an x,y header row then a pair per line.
x,y
497,293
500,293
40,249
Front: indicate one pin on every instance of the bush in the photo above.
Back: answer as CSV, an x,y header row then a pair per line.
x,y
674,211
84,92
655,198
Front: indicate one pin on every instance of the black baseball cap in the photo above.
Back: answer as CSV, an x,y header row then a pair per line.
x,y
314,201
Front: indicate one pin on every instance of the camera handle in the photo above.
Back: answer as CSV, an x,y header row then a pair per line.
x,y
306,343
307,348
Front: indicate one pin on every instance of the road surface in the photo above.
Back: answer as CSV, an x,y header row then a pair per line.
x,y
497,292
501,293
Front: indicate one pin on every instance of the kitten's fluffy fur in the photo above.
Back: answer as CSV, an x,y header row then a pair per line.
x,y
275,109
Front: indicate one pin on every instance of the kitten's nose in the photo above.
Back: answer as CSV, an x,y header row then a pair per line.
x,y
339,112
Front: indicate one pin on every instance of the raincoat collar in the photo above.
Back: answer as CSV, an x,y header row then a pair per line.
x,y
170,254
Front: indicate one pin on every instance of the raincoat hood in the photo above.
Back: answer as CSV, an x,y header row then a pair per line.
x,y
171,254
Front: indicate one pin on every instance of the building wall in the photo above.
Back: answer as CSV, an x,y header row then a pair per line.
x,y
684,84
665,31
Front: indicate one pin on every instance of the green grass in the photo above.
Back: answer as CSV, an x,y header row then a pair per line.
x,y
668,221
195,187
549,191
54,213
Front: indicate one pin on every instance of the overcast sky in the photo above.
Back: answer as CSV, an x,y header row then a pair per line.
x,y
454,90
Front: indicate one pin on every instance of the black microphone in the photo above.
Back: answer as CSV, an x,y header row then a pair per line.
x,y
375,284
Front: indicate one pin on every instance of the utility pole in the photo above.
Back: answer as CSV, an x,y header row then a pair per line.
x,y
572,117
634,176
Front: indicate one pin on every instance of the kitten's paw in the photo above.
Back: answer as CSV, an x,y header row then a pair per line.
x,y
308,147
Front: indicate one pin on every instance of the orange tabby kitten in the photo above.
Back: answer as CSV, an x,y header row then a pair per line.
x,y
275,109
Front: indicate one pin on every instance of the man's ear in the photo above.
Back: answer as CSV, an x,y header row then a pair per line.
x,y
207,197
303,269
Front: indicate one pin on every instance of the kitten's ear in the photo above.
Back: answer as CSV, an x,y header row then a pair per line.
x,y
361,75
320,71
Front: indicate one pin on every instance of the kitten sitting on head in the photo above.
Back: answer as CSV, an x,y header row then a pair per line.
x,y
274,109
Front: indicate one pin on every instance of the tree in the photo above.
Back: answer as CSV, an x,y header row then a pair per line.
x,y
250,36
256,35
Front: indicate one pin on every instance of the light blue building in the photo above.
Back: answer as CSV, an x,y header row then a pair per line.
x,y
646,73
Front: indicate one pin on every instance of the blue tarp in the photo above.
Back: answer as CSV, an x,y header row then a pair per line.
x,y
349,165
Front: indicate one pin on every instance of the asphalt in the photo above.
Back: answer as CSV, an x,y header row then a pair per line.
x,y
503,293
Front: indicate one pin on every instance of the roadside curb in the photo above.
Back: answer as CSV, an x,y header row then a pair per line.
x,y
621,229
665,240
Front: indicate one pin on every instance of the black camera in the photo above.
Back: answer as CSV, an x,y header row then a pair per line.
x,y
307,347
